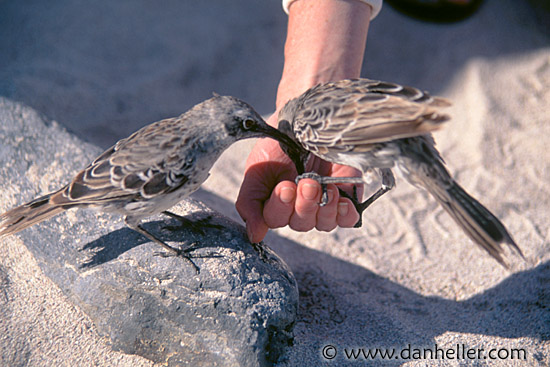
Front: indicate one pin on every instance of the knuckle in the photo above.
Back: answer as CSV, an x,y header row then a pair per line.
x,y
275,222
326,227
348,221
301,225
307,208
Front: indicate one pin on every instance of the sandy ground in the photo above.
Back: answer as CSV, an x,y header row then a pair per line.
x,y
409,276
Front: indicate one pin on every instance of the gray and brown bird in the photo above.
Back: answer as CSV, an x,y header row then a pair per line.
x,y
153,169
376,126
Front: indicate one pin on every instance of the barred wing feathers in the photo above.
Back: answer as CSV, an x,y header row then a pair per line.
x,y
359,113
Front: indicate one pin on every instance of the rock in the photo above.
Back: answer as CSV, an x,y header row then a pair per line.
x,y
239,309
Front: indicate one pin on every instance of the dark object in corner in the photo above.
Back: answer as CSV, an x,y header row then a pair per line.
x,y
437,11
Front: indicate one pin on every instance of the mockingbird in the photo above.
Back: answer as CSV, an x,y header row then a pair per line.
x,y
153,169
374,126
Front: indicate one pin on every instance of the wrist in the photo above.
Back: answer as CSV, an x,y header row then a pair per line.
x,y
375,5
325,42
294,82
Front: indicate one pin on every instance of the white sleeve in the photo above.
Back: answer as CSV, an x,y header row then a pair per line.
x,y
376,5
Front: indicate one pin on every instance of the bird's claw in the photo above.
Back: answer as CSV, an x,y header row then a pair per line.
x,y
325,180
312,175
321,180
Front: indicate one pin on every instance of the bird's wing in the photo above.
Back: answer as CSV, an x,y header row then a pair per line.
x,y
146,164
360,113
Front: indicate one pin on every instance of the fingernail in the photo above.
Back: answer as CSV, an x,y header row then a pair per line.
x,y
287,194
249,233
343,209
310,191
330,194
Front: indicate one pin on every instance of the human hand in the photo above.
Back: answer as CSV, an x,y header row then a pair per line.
x,y
269,198
325,41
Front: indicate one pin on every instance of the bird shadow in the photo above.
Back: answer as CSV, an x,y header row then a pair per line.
x,y
110,246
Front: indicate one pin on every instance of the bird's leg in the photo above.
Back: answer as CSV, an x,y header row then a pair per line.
x,y
176,252
195,226
325,180
388,183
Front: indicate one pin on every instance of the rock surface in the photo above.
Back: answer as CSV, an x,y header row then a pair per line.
x,y
238,310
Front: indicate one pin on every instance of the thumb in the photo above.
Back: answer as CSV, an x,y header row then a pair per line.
x,y
256,229
251,212
250,206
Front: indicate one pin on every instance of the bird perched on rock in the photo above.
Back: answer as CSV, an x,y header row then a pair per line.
x,y
153,169
375,126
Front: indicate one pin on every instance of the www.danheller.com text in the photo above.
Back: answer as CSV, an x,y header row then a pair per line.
x,y
456,352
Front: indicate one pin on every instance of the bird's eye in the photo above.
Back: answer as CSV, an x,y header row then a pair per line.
x,y
248,124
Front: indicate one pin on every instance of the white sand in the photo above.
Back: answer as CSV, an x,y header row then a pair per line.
x,y
409,275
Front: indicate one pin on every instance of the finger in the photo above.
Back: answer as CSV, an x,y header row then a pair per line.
x,y
280,206
347,215
249,205
250,211
304,217
326,215
256,228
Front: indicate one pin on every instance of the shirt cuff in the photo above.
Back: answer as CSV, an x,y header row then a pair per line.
x,y
376,6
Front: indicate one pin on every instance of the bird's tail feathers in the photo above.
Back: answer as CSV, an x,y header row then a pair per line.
x,y
26,215
478,222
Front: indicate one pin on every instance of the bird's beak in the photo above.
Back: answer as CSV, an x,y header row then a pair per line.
x,y
290,146
271,132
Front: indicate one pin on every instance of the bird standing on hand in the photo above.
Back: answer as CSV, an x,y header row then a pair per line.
x,y
372,125
153,169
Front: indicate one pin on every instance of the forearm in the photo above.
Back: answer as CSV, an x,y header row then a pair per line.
x,y
325,41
